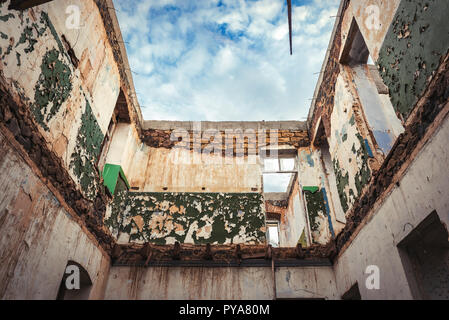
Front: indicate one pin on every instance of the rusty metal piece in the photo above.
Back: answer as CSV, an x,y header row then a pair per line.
x,y
176,253
146,253
238,252
299,252
209,254
269,253
116,252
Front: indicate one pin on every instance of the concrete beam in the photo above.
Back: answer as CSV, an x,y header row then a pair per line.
x,y
25,4
223,125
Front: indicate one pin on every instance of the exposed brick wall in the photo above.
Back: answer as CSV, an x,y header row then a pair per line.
x,y
240,144
324,102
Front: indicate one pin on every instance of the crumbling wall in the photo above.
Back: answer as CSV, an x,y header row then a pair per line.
x,y
350,151
220,283
38,236
374,19
67,78
422,190
293,226
179,170
166,218
413,49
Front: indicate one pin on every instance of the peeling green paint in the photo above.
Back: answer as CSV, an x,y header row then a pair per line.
x,y
316,210
199,218
413,47
87,150
19,63
342,183
352,120
302,239
52,89
6,17
27,37
364,175
47,22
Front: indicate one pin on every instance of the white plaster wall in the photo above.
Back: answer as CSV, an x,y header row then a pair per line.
x,y
423,189
219,283
180,170
293,222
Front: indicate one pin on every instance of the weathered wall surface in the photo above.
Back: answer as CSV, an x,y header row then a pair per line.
x,y
179,170
413,48
219,283
293,228
196,218
366,12
38,236
311,175
350,151
421,191
68,79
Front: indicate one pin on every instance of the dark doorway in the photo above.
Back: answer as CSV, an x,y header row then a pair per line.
x,y
85,284
353,293
425,256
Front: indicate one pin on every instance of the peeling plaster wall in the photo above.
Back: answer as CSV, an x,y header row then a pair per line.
x,y
412,50
71,102
293,222
38,236
422,190
373,106
348,148
196,218
364,14
179,170
311,174
220,283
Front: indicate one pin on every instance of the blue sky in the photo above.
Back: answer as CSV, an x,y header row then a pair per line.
x,y
225,60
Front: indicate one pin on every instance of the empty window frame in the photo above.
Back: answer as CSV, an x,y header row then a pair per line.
x,y
273,233
353,293
279,173
374,95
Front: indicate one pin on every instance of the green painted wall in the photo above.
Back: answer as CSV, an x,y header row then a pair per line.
x,y
199,218
352,171
413,47
52,89
85,156
316,210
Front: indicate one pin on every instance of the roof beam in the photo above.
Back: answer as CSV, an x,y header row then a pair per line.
x,y
289,5
25,4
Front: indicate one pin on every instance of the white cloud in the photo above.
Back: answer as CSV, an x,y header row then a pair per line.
x,y
198,60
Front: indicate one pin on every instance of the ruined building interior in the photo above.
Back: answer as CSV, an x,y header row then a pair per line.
x,y
186,210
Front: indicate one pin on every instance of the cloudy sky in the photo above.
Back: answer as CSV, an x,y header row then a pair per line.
x,y
225,59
